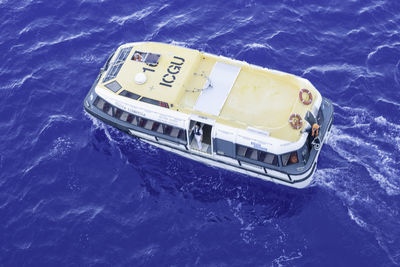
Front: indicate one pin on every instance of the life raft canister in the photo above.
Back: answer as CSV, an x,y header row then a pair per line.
x,y
305,96
295,121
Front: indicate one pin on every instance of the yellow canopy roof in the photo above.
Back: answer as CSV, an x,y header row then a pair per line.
x,y
258,97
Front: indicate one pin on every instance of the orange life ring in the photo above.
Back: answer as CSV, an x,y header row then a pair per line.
x,y
295,121
137,57
306,100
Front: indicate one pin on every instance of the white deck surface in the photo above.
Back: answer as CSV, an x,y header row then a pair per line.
x,y
212,99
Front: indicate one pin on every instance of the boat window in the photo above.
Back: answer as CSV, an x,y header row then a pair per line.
x,y
103,106
305,153
170,132
132,119
123,54
152,58
268,158
157,127
148,58
154,102
124,116
164,105
113,86
129,94
290,158
117,64
99,103
247,152
108,109
177,133
150,101
118,113
225,148
142,122
112,73
256,155
161,128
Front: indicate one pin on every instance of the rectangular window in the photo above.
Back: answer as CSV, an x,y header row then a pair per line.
x,y
290,158
124,116
113,72
113,86
129,94
123,54
117,64
132,119
247,152
117,113
148,58
241,150
99,103
149,125
225,148
142,122
268,158
251,154
164,105
161,128
150,101
256,155
157,127
103,106
152,58
169,132
154,102
305,153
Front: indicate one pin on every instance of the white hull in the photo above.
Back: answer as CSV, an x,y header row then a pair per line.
x,y
228,164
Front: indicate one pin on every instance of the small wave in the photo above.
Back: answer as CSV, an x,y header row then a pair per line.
x,y
138,15
98,124
380,237
371,8
59,148
59,40
387,101
364,148
378,163
358,220
21,5
90,212
397,73
258,46
17,83
355,70
381,48
53,119
284,260
37,24
180,43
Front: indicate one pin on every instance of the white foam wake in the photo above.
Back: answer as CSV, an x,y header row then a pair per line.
x,y
372,144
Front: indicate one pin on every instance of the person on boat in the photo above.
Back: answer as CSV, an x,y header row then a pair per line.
x,y
198,135
315,130
293,158
137,57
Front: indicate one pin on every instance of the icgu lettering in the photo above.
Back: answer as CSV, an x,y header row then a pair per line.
x,y
173,69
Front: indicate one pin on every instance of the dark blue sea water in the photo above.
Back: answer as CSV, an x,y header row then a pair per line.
x,y
76,192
